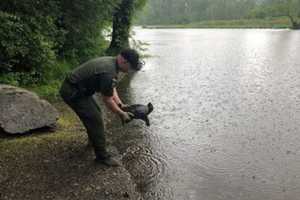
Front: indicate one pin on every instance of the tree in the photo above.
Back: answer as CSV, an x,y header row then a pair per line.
x,y
186,11
83,22
284,8
122,20
293,12
36,35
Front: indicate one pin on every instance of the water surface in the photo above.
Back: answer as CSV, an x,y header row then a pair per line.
x,y
226,119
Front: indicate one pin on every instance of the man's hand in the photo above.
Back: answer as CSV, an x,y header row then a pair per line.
x,y
122,106
126,117
112,105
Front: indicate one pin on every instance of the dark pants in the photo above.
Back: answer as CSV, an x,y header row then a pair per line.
x,y
89,113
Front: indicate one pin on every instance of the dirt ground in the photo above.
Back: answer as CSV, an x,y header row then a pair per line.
x,y
57,164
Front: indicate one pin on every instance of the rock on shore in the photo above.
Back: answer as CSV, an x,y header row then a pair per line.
x,y
22,111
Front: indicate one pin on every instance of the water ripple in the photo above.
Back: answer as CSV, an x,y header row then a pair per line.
x,y
145,166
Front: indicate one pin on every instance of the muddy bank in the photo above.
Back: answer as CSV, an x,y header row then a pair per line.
x,y
59,165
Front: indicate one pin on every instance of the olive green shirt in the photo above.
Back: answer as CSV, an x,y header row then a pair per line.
x,y
95,66
96,75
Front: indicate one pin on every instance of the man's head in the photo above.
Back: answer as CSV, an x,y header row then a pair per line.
x,y
129,60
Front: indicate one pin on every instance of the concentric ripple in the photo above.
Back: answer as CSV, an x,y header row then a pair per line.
x,y
145,166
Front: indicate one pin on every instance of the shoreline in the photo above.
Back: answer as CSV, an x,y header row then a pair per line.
x,y
272,23
57,164
183,27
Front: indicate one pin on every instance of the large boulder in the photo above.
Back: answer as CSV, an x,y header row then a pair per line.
x,y
22,111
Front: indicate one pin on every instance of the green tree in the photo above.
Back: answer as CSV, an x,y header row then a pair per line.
x,y
28,36
293,12
281,8
185,11
122,21
83,22
36,35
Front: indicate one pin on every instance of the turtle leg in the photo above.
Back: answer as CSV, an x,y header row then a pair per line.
x,y
147,121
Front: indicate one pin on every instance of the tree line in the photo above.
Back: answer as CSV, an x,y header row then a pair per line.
x,y
162,12
38,38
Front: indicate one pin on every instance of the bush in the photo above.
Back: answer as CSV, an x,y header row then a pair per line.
x,y
35,35
83,22
24,48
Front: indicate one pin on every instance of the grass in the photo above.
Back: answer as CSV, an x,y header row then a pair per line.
x,y
50,164
67,123
282,22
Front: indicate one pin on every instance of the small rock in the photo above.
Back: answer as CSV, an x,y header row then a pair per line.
x,y
75,184
87,189
125,195
98,188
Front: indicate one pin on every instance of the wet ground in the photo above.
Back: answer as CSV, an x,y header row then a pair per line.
x,y
226,115
58,165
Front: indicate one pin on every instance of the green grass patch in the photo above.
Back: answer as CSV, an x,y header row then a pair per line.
x,y
282,22
67,130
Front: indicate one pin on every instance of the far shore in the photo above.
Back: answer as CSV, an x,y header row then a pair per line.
x,y
275,23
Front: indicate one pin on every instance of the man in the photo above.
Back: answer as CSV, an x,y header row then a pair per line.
x,y
99,75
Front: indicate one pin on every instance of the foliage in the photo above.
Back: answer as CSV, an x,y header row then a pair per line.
x,y
122,20
48,88
25,47
281,22
37,36
84,22
42,40
186,11
289,8
158,12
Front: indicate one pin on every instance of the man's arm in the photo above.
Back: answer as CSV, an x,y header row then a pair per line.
x,y
111,104
116,98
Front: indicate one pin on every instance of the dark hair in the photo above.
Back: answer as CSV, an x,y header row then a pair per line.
x,y
132,56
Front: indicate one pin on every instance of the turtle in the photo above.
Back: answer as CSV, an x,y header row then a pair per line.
x,y
140,111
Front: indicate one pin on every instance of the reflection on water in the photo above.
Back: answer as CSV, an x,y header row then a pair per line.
x,y
226,115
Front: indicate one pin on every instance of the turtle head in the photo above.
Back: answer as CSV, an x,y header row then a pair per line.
x,y
150,108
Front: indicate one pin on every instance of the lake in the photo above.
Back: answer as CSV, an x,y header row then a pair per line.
x,y
226,117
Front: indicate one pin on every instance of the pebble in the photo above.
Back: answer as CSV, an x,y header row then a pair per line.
x,y
125,195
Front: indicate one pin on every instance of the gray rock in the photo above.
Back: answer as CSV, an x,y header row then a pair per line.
x,y
22,111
